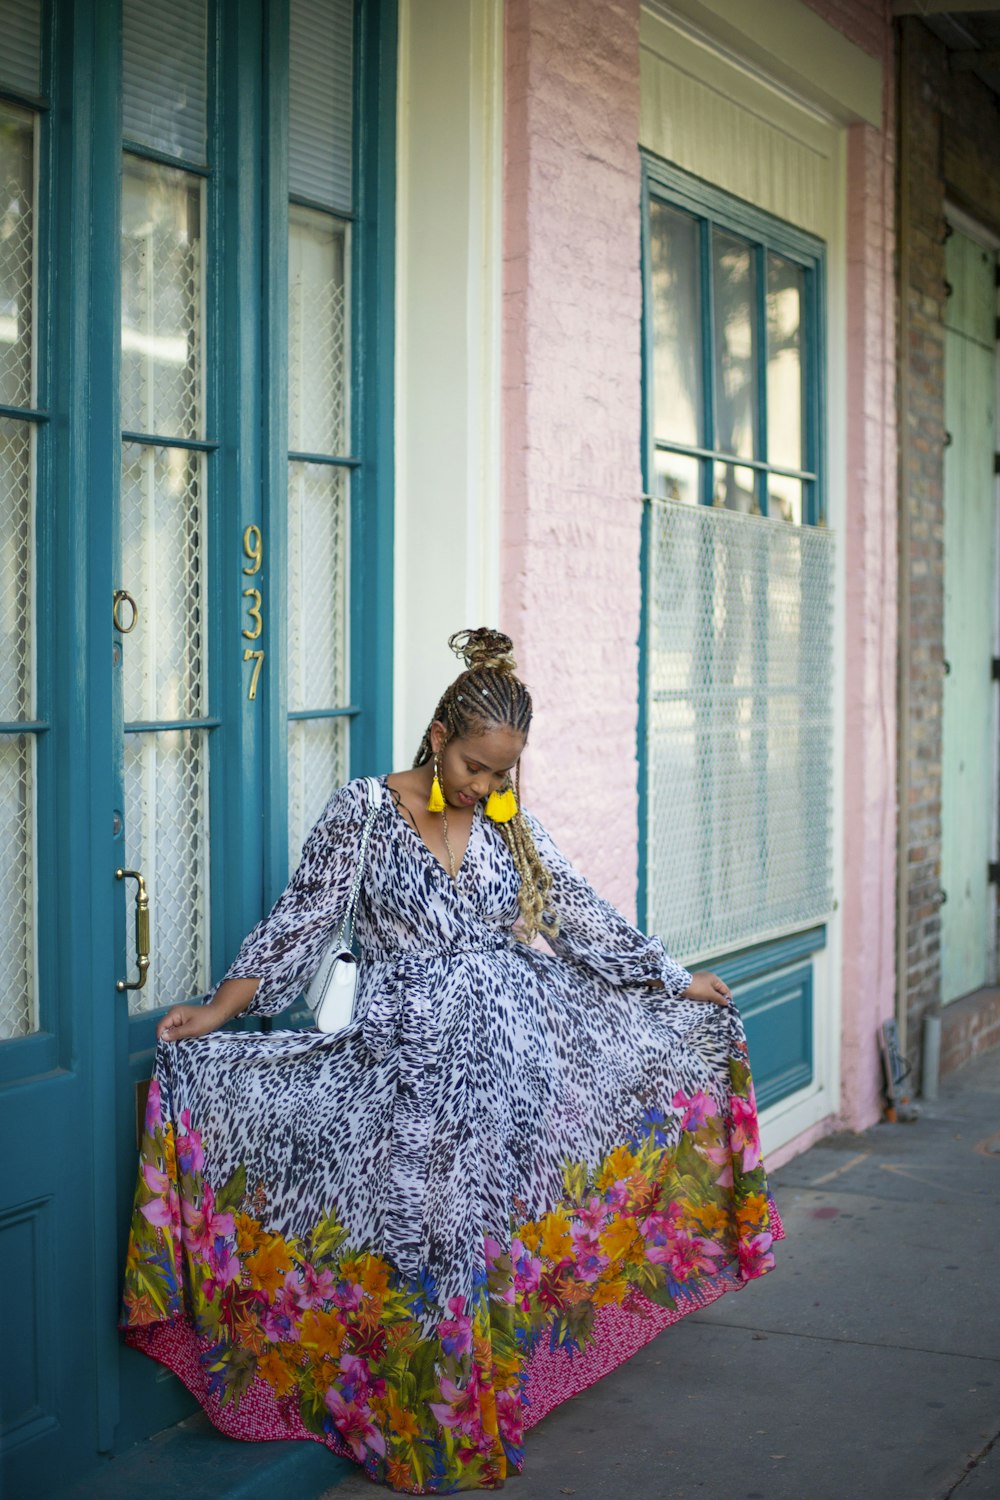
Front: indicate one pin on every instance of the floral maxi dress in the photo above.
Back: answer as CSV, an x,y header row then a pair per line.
x,y
412,1239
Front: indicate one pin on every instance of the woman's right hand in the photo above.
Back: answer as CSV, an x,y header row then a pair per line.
x,y
182,1022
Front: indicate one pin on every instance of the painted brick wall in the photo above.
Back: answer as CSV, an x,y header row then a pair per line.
x,y
954,146
572,418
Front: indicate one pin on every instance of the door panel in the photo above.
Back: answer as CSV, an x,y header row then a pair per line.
x,y
970,573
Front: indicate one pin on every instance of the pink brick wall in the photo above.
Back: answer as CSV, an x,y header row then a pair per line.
x,y
571,436
572,417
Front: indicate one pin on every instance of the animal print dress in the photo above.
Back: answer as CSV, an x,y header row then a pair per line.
x,y
412,1239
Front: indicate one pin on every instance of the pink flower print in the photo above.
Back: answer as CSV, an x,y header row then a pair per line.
x,y
510,1417
594,1215
660,1225
357,1382
225,1266
455,1332
617,1197
492,1251
348,1294
755,1256
189,1149
355,1425
203,1225
720,1156
164,1212
745,1135
154,1111
310,1287
154,1179
590,1258
691,1256
276,1323
460,1408
697,1107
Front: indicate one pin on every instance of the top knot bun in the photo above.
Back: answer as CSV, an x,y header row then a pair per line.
x,y
484,650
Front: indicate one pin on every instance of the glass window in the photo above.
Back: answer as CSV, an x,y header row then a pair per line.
x,y
739,578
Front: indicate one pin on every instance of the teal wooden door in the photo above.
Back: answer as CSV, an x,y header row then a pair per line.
x,y
179,509
969,758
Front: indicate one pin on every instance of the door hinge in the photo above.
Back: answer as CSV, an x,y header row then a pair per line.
x,y
996,463
995,669
993,871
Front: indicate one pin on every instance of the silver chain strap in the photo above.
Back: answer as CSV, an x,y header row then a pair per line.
x,y
374,803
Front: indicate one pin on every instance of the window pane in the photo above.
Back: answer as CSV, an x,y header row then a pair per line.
x,y
736,396
735,487
166,837
18,993
784,501
784,362
676,477
17,143
318,352
677,363
162,313
164,50
320,101
20,52
164,664
317,765
317,586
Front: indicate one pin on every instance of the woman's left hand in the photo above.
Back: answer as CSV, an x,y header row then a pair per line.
x,y
706,986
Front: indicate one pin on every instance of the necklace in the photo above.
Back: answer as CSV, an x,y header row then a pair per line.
x,y
447,845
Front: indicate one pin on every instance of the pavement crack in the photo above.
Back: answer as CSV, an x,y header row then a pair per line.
x,y
833,1338
970,1468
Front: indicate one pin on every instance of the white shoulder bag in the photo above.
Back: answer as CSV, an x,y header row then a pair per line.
x,y
333,988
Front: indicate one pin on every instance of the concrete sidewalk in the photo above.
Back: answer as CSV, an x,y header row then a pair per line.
x,y
865,1367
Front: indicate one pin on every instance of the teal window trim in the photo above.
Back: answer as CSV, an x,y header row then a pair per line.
x,y
711,208
710,205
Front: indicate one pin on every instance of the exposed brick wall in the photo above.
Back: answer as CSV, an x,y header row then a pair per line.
x,y
866,23
572,417
954,146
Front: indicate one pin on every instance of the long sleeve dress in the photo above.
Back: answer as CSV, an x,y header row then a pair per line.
x,y
412,1239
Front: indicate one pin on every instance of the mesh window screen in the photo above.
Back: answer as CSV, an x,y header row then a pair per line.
x,y
164,76
20,47
739,738
18,997
17,174
320,102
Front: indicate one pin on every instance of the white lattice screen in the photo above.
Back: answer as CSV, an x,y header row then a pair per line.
x,y
18,996
318,516
739,726
164,533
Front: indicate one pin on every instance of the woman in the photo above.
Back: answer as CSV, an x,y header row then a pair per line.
x,y
413,1238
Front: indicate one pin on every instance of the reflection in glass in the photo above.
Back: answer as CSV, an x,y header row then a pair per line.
x,y
735,488
736,396
784,499
677,380
162,312
17,182
784,362
676,477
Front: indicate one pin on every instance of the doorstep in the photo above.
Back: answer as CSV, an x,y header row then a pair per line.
x,y
193,1461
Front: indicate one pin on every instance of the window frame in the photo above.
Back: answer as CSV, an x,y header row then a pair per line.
x,y
712,208
663,182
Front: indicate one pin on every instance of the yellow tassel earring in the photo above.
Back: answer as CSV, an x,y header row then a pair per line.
x,y
501,806
435,802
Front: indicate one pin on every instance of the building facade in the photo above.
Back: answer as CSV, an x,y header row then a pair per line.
x,y
330,327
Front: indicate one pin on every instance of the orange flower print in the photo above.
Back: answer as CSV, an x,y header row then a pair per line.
x,y
267,1266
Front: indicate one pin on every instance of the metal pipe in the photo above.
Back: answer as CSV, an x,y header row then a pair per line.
x,y
930,1070
903,120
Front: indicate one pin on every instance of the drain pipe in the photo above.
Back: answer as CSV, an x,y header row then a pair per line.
x,y
903,115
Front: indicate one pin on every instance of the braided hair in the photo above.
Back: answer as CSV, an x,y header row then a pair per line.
x,y
488,695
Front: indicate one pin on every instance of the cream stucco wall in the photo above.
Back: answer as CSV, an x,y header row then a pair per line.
x,y
447,458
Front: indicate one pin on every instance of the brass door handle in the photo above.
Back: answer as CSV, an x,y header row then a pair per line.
x,y
122,596
141,930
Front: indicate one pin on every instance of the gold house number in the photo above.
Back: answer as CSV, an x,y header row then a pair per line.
x,y
253,548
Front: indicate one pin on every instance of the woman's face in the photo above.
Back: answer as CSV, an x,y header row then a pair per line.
x,y
476,765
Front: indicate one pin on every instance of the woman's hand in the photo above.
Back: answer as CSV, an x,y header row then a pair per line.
x,y
706,986
182,1022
